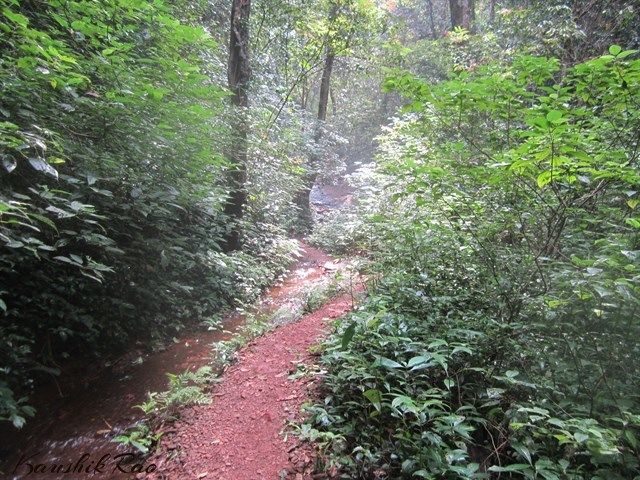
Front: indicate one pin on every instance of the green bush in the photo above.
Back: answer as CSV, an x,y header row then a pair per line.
x,y
425,383
500,335
112,181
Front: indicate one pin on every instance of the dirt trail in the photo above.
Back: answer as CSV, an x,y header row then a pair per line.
x,y
236,437
240,435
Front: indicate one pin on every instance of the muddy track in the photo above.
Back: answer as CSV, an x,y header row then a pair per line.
x,y
244,422
243,434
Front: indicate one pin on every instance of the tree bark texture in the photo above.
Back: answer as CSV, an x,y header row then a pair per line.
x,y
325,85
432,23
239,75
462,13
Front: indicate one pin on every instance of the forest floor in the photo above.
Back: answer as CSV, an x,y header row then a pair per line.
x,y
243,434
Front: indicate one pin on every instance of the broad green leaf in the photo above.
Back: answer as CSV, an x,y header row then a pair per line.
x,y
387,362
375,397
523,451
348,335
615,49
580,437
15,17
554,116
515,467
418,360
544,178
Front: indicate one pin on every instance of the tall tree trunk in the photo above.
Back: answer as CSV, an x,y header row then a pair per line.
x,y
432,23
239,75
492,11
325,87
462,13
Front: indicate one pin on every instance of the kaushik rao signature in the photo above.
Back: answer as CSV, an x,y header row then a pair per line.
x,y
123,462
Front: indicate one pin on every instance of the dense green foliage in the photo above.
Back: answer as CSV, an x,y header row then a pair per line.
x,y
116,131
500,334
499,220
112,140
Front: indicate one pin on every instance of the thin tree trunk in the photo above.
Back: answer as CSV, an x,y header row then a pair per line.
x,y
432,22
239,68
462,13
304,95
313,94
334,105
302,198
471,8
239,75
492,11
325,87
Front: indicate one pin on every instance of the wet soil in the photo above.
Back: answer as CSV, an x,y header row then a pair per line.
x,y
243,434
83,416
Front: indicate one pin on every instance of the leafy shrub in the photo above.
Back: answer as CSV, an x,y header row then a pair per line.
x,y
111,185
449,392
499,339
338,232
186,388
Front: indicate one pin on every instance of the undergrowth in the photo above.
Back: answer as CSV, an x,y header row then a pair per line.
x,y
499,338
193,388
432,386
186,388
115,126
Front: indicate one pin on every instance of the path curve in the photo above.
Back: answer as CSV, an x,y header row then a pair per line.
x,y
240,435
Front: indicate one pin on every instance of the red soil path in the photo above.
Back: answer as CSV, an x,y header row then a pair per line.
x,y
240,436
